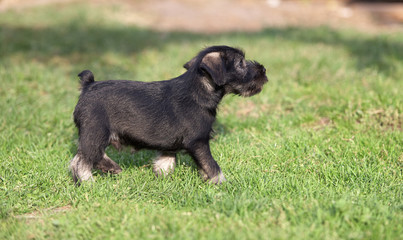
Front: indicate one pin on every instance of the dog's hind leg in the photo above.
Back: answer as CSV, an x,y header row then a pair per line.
x,y
93,140
164,164
107,165
80,169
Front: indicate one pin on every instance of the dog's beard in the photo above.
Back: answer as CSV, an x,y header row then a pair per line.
x,y
251,92
250,89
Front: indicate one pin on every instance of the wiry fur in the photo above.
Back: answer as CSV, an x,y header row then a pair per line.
x,y
168,116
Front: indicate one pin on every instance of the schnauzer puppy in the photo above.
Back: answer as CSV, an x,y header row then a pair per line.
x,y
167,116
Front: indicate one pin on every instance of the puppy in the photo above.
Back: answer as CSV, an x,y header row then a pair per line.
x,y
167,116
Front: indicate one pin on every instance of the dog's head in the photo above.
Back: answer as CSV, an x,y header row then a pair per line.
x,y
226,68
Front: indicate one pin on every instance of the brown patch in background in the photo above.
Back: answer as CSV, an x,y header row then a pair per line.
x,y
385,118
319,124
38,214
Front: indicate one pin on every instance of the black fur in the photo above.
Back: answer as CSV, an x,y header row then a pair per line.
x,y
168,116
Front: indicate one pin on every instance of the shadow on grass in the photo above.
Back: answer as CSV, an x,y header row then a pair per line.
x,y
83,43
370,51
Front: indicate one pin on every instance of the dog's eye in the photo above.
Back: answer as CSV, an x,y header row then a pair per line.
x,y
240,62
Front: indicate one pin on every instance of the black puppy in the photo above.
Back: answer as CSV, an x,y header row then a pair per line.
x,y
167,116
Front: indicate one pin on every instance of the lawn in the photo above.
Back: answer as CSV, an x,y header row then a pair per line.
x,y
316,155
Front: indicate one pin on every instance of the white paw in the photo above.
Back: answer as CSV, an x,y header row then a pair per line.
x,y
80,170
219,179
164,165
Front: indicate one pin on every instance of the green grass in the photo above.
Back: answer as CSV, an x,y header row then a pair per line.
x,y
316,155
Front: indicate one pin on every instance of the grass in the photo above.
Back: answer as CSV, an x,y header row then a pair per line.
x,y
316,155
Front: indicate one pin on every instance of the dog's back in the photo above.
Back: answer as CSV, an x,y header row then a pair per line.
x,y
145,114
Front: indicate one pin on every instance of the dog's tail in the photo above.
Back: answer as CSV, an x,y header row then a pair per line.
x,y
86,78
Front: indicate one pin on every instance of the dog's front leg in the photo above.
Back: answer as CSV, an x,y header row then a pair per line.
x,y
107,165
208,167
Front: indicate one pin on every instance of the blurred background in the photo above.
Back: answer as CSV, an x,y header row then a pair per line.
x,y
212,16
310,44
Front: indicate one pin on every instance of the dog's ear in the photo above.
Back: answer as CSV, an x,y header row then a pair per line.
x,y
213,65
190,63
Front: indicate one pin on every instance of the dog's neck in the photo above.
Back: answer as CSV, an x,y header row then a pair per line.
x,y
204,93
207,94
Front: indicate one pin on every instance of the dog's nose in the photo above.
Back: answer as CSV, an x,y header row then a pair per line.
x,y
264,70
